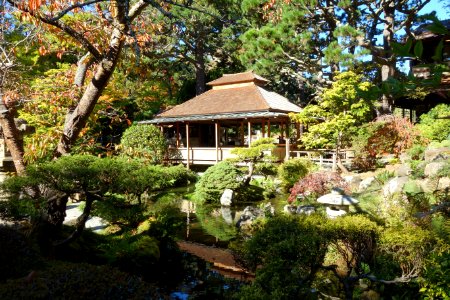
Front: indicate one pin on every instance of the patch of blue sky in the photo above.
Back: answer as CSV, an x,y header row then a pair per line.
x,y
440,8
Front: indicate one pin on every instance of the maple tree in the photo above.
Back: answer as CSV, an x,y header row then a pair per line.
x,y
103,30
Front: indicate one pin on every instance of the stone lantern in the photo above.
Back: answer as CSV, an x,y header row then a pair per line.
x,y
337,202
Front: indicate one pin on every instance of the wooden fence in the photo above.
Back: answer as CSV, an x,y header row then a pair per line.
x,y
325,158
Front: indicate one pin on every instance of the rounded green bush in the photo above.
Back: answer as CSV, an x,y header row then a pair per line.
x,y
292,170
215,180
433,126
144,141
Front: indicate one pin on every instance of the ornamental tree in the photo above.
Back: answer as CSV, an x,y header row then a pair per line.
x,y
100,28
342,108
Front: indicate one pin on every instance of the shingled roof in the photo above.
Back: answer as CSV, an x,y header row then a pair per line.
x,y
233,94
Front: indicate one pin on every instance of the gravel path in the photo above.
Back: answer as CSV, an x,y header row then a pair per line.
x,y
73,212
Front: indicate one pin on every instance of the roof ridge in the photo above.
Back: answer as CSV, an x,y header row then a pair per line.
x,y
258,88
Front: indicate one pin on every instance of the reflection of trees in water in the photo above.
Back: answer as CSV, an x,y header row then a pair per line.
x,y
214,224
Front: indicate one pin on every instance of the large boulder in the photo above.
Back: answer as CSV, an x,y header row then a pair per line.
x,y
251,213
433,168
306,210
437,154
444,183
353,180
366,183
395,185
227,197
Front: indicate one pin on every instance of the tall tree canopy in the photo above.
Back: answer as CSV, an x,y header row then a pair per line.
x,y
310,40
101,30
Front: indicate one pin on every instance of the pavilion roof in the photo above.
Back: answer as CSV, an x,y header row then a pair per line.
x,y
230,96
235,78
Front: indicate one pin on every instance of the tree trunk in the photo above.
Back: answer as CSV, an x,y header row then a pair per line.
x,y
200,73
388,68
81,222
82,67
78,118
12,138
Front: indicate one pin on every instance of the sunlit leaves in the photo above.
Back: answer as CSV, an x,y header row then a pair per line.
x,y
348,103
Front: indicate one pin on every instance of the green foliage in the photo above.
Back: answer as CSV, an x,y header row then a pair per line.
x,y
285,245
435,282
18,257
417,168
115,209
354,238
268,186
62,280
166,221
292,170
433,125
436,144
266,169
417,152
144,141
134,254
384,176
215,180
343,107
180,176
408,247
255,152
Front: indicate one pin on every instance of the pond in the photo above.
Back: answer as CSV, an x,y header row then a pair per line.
x,y
209,229
211,225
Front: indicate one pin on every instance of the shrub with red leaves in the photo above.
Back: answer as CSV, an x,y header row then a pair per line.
x,y
317,184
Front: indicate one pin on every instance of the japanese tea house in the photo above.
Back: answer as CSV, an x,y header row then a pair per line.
x,y
235,112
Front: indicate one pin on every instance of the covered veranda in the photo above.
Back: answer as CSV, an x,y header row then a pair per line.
x,y
234,113
209,139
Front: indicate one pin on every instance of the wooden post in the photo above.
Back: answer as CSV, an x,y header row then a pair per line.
x,y
187,147
263,128
288,150
268,128
333,168
178,135
241,134
282,130
216,127
249,133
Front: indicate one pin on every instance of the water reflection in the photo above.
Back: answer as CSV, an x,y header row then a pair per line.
x,y
211,224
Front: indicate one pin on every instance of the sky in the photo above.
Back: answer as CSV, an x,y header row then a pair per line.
x,y
439,6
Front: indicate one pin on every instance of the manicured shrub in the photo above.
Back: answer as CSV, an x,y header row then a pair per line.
x,y
144,141
408,247
285,254
292,170
433,126
215,180
133,254
180,176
